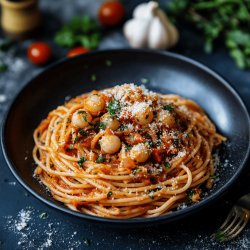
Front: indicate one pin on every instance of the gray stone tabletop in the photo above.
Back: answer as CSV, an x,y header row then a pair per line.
x,y
26,223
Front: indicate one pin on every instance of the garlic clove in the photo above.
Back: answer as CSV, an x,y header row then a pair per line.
x,y
136,31
171,30
145,10
158,38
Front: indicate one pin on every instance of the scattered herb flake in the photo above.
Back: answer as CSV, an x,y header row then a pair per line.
x,y
168,108
81,112
136,170
108,63
113,107
123,127
83,132
84,118
81,161
190,194
151,195
127,148
100,159
44,215
93,77
144,80
103,125
167,165
109,194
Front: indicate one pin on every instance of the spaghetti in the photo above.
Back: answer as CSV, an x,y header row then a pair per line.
x,y
126,152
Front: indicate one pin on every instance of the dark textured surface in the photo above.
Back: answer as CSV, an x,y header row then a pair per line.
x,y
66,232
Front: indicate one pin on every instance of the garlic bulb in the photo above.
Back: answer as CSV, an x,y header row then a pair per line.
x,y
150,28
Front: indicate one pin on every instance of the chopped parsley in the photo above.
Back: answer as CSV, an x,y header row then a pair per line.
x,y
169,108
81,161
71,146
167,165
81,112
123,127
103,125
190,193
84,118
83,132
93,77
136,170
100,159
43,215
144,80
75,140
114,107
108,63
109,194
151,195
127,148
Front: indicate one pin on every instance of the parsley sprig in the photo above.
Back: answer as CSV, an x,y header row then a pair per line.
x,y
83,31
228,21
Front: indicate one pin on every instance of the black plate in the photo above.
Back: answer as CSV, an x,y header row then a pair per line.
x,y
166,72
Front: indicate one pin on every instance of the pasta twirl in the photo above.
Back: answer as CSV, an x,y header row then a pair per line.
x,y
126,152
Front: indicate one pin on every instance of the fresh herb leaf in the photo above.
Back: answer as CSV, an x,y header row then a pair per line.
x,y
190,194
108,63
71,146
81,161
103,125
144,80
136,170
151,195
83,31
75,140
109,194
127,148
100,159
167,165
44,215
93,77
83,132
114,107
81,112
123,127
169,108
84,118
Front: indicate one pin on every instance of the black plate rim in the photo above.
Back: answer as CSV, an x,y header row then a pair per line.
x,y
165,218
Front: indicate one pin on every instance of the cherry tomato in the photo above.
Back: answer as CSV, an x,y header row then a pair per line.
x,y
111,13
39,53
77,51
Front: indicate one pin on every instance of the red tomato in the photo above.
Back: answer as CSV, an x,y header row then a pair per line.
x,y
111,13
77,51
39,53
